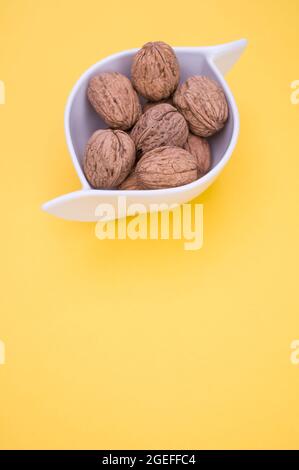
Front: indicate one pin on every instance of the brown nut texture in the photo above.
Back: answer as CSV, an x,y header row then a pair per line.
x,y
112,96
202,102
166,167
109,158
200,149
155,71
149,104
159,126
130,182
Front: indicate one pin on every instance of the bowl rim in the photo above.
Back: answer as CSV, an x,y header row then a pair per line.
x,y
204,180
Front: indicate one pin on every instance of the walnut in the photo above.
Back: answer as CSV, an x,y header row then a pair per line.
x,y
159,126
149,104
166,167
112,96
202,102
130,182
155,71
200,148
109,158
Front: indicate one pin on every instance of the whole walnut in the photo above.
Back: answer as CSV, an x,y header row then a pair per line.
x,y
200,148
149,104
166,167
159,126
112,96
108,159
155,71
202,101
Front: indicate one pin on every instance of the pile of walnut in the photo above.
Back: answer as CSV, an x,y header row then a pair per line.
x,y
163,144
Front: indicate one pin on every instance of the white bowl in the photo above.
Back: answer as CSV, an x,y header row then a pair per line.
x,y
81,121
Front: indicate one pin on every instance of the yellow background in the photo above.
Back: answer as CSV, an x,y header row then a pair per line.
x,y
140,344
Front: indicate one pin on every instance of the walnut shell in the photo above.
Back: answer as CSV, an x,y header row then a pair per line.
x,y
166,167
112,96
130,182
149,104
203,104
108,159
155,71
200,148
159,126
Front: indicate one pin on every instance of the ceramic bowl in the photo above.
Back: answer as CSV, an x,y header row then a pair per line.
x,y
81,121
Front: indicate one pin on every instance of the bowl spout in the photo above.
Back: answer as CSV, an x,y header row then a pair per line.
x,y
226,55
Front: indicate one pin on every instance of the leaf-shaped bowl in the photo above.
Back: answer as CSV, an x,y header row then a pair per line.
x,y
81,121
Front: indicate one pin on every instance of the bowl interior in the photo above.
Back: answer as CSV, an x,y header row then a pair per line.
x,y
83,120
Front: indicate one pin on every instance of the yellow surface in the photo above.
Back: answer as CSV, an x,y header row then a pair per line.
x,y
140,344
